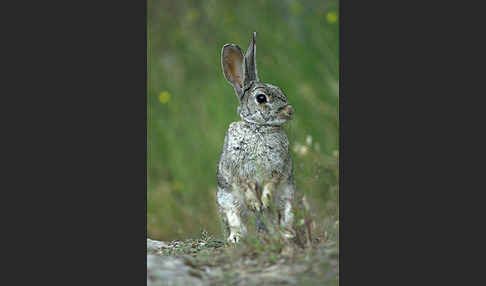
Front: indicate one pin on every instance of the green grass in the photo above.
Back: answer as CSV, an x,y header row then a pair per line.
x,y
190,104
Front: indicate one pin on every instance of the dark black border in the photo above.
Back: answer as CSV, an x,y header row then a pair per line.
x,y
80,143
402,186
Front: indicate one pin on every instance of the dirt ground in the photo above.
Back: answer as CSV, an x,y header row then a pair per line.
x,y
254,261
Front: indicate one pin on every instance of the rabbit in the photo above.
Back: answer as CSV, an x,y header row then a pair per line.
x,y
255,169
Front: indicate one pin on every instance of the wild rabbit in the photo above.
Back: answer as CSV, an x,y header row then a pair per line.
x,y
255,170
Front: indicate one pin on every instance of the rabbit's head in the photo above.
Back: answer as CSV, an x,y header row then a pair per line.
x,y
260,103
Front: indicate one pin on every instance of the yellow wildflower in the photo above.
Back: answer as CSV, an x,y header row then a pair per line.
x,y
332,17
164,97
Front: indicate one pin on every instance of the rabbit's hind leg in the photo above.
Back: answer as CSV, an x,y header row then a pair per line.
x,y
224,222
236,226
287,222
286,209
231,215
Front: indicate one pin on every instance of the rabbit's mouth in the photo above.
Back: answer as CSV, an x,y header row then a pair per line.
x,y
286,112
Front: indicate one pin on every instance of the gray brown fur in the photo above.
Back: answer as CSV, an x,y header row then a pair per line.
x,y
255,168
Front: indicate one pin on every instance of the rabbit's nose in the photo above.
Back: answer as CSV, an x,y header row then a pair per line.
x,y
290,110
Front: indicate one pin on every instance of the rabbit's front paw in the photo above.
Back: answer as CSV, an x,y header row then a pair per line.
x,y
251,197
254,204
267,195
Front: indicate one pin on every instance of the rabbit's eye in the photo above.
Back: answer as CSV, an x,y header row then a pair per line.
x,y
261,98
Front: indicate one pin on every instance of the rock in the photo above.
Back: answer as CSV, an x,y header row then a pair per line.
x,y
169,270
154,246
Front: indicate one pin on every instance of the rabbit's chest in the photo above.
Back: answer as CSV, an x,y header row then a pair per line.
x,y
252,153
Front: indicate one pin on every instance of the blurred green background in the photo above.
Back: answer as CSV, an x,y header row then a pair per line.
x,y
190,104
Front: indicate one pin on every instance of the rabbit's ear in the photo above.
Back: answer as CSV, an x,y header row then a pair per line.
x,y
251,73
232,61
